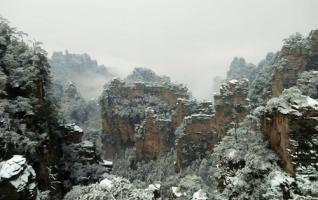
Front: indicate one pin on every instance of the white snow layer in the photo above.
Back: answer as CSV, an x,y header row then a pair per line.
x,y
106,183
291,102
200,195
153,187
18,171
12,167
78,129
176,192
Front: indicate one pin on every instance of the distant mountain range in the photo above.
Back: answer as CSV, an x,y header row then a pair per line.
x,y
88,76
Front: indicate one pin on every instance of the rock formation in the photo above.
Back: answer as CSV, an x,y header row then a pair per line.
x,y
203,128
170,145
231,105
17,179
154,136
196,139
290,124
123,107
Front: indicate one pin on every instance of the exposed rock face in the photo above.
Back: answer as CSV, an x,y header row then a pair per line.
x,y
297,55
196,139
153,137
123,106
203,128
17,179
281,70
72,133
184,108
231,105
290,124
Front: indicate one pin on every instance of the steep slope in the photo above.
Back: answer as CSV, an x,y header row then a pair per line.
x,y
282,70
123,106
264,153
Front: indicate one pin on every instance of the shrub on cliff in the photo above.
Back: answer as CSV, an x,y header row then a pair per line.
x,y
308,83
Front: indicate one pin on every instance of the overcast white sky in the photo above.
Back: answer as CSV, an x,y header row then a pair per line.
x,y
190,40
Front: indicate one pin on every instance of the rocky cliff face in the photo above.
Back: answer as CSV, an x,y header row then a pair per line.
x,y
289,120
231,105
297,55
154,136
157,118
281,70
17,175
203,128
196,139
124,105
290,124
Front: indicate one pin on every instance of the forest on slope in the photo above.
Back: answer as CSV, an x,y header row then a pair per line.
x,y
146,137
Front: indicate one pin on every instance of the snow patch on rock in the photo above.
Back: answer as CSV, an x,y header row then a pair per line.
x,y
291,102
12,167
200,195
106,183
18,173
176,192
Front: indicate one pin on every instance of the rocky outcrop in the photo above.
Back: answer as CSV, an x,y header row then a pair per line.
x,y
153,137
281,70
231,105
156,135
184,108
17,179
203,127
72,133
123,107
297,55
290,124
195,138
